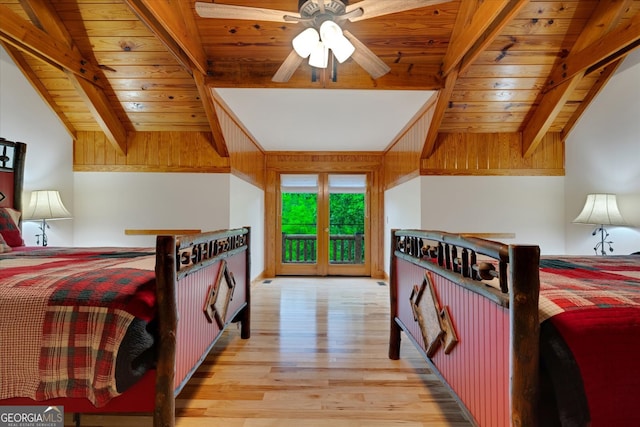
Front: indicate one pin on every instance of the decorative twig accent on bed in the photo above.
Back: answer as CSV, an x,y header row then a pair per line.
x,y
460,258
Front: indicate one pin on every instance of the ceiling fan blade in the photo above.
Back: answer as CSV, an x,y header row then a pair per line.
x,y
320,4
366,58
374,8
226,11
288,67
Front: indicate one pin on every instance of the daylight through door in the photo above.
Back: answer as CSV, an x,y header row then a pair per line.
x,y
323,225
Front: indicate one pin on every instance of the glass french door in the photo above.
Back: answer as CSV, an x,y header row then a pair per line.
x,y
323,225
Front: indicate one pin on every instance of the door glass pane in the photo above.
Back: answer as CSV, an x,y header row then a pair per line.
x,y
299,220
347,218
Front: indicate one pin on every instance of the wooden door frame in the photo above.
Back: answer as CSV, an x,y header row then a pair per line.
x,y
317,162
323,266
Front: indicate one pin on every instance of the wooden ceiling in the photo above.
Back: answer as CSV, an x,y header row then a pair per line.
x,y
123,66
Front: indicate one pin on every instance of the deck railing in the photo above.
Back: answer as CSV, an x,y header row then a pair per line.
x,y
343,248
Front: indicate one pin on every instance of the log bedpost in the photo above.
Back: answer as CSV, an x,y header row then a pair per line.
x,y
524,322
166,273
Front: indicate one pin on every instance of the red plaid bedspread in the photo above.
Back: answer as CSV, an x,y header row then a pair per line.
x,y
594,304
575,283
64,313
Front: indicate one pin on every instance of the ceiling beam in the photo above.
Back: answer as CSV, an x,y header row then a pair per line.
x,y
474,17
605,17
218,141
172,21
508,12
24,36
444,95
616,44
44,16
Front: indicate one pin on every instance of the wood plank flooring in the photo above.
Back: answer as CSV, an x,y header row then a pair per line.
x,y
317,357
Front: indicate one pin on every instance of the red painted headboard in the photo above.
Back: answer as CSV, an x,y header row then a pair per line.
x,y
12,157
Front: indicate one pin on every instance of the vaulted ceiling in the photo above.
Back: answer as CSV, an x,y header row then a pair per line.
x,y
123,66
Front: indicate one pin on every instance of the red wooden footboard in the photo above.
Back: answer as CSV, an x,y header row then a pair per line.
x,y
203,283
477,367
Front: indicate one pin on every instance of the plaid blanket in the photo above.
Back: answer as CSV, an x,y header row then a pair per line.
x,y
64,313
574,283
589,343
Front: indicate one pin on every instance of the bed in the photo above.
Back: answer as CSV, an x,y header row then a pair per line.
x,y
111,330
520,339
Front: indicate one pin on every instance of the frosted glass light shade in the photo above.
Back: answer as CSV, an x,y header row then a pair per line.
x,y
319,57
45,204
305,42
600,209
331,35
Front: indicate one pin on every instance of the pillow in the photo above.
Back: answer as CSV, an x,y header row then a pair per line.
x,y
3,246
14,214
9,227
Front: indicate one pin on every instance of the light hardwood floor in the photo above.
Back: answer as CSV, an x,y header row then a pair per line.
x,y
317,357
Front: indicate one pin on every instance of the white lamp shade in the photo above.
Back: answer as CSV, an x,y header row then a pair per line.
x,y
600,209
45,204
319,57
305,42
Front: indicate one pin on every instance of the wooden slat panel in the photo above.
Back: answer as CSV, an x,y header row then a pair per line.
x,y
478,367
402,159
150,152
493,154
247,157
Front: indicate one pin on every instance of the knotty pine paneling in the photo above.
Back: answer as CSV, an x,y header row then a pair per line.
x,y
493,154
247,157
402,159
149,152
314,162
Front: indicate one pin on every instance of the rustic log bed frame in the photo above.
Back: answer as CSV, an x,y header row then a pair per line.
x,y
186,268
492,290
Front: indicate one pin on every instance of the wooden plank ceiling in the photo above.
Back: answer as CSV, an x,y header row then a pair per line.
x,y
124,66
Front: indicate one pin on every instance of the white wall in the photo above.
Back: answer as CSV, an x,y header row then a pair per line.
x,y
25,117
530,207
108,203
401,210
603,156
246,208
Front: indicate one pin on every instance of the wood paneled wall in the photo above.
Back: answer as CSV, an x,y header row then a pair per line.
x,y
493,154
172,152
148,152
469,154
402,158
247,157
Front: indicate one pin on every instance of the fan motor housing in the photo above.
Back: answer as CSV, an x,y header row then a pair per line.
x,y
310,9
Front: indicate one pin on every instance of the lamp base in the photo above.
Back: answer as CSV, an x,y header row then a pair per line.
x,y
43,227
600,246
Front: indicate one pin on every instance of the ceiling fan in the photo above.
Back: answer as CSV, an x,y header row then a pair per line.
x,y
323,34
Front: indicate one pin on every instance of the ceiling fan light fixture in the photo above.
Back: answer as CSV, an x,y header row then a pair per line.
x,y
343,50
305,42
319,57
331,35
